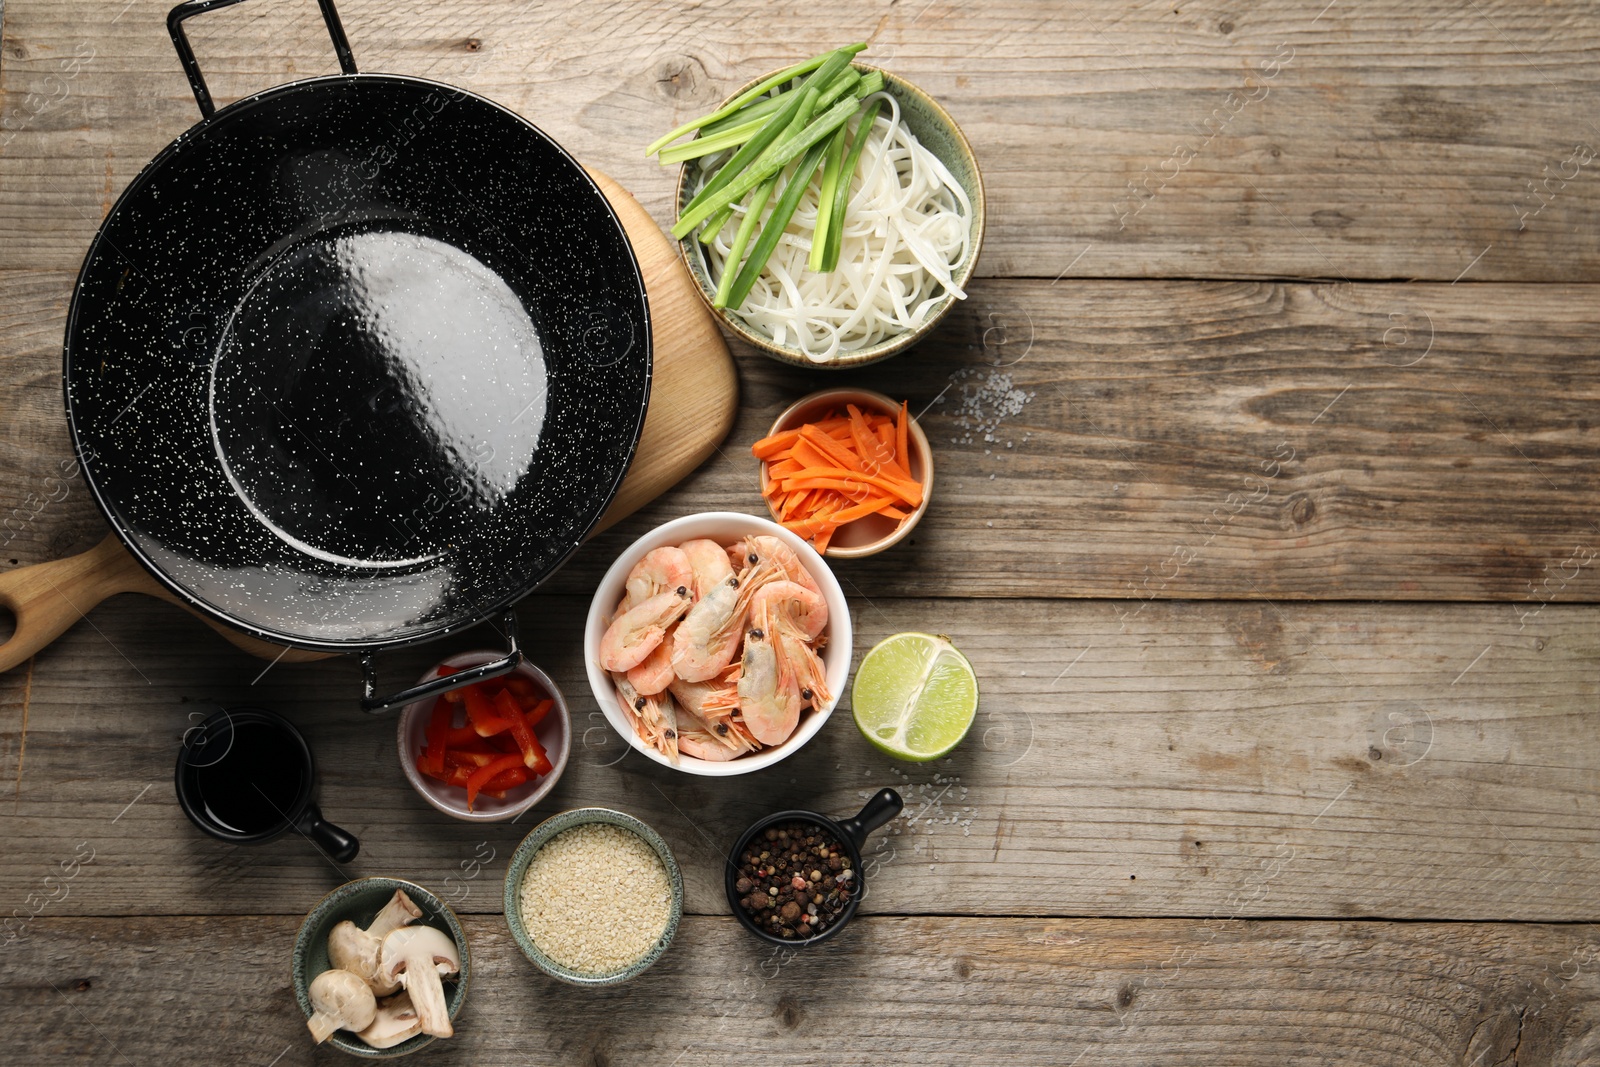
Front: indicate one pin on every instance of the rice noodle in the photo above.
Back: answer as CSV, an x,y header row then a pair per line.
x,y
905,232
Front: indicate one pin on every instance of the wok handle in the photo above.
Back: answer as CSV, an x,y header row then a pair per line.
x,y
47,598
191,68
373,703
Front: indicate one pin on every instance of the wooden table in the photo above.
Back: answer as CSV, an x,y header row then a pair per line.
x,y
1266,511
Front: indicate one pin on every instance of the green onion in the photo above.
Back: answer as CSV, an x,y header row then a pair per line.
x,y
760,109
769,163
844,83
752,93
706,145
802,126
719,218
833,162
773,230
841,192
776,125
741,239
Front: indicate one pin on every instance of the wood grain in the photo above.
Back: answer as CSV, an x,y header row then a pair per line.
x,y
944,991
1444,442
1364,142
1198,759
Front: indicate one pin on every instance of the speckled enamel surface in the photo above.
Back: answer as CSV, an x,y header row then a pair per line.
x,y
358,361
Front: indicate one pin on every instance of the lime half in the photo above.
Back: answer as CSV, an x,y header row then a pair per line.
x,y
915,696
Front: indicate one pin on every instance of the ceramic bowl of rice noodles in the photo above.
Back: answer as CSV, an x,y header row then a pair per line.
x,y
901,252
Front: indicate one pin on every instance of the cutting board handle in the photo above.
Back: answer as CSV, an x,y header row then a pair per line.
x,y
47,598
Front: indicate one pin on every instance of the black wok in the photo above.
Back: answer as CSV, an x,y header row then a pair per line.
x,y
357,361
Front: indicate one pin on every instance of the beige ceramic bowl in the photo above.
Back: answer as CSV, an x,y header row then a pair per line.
x,y
873,534
554,733
939,133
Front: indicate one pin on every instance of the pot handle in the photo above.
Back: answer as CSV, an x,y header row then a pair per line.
x,y
373,703
879,810
191,68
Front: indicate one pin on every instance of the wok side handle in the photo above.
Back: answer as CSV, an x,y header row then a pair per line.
x,y
47,598
191,67
373,703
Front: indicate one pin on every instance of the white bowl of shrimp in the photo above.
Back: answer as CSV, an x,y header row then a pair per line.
x,y
718,644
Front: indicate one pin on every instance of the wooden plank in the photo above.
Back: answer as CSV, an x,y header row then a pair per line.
x,y
1197,759
928,991
1145,141
1151,441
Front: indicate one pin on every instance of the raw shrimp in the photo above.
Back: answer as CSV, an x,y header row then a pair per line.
x,y
635,633
795,612
709,562
662,570
707,639
653,674
654,719
714,703
769,693
694,739
800,608
767,548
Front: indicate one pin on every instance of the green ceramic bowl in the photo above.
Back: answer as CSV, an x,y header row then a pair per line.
x,y
536,840
360,901
939,133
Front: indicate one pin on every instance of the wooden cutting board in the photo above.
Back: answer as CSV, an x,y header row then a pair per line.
x,y
694,396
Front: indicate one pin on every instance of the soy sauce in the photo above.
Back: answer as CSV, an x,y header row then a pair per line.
x,y
249,778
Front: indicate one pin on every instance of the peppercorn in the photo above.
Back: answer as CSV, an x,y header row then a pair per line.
x,y
796,887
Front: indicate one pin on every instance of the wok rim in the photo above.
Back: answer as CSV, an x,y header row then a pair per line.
x,y
147,174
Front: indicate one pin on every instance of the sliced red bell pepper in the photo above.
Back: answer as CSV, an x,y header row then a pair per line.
x,y
505,743
480,755
453,774
438,731
485,774
461,735
535,715
523,688
533,754
505,780
481,713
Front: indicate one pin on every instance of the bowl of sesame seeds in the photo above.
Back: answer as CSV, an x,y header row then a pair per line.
x,y
593,896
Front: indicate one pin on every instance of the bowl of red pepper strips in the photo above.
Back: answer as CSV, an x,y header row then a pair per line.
x,y
488,751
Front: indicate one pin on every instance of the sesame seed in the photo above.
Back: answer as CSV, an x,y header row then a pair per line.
x,y
596,899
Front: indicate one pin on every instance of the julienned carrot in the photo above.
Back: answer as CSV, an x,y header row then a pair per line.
x,y
856,481
900,449
837,470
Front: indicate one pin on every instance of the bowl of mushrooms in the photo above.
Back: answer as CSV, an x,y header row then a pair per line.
x,y
380,968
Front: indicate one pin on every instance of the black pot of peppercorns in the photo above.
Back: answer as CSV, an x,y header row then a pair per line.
x,y
795,877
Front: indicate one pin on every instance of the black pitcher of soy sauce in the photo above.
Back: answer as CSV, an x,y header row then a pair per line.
x,y
851,834
246,776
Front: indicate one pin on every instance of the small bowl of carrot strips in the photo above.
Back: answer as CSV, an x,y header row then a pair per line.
x,y
488,751
849,470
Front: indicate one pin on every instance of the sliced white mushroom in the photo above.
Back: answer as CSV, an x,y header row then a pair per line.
x,y
340,1000
416,956
361,951
396,1021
